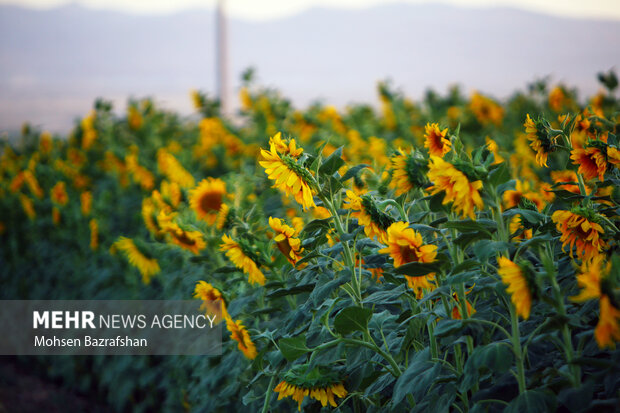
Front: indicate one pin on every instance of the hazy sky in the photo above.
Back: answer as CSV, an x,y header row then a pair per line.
x,y
268,9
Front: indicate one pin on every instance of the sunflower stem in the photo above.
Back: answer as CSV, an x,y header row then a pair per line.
x,y
268,394
559,299
516,347
349,261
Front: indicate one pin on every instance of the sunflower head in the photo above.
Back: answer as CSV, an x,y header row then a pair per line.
x,y
59,193
240,334
519,285
542,139
213,301
207,199
580,228
319,383
408,171
286,240
435,140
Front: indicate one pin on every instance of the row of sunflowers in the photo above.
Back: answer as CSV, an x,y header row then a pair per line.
x,y
454,254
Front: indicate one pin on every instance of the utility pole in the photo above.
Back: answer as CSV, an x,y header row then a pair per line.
x,y
221,59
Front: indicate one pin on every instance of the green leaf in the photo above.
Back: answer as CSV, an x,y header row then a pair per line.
x,y
485,225
353,172
447,327
418,269
352,319
293,347
332,163
298,289
499,175
532,401
486,249
410,381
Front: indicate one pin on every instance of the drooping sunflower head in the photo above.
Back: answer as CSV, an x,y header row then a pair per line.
x,y
435,140
516,277
59,193
592,160
86,201
580,228
286,240
207,199
568,181
463,194
375,221
406,245
225,218
240,334
192,241
285,146
542,140
137,257
213,301
240,254
408,172
319,383
289,176
94,234
494,149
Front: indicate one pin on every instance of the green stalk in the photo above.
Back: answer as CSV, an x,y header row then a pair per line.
x,y
268,394
566,336
516,347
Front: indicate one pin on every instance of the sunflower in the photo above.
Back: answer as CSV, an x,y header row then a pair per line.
x,y
515,226
94,234
173,170
494,149
567,180
59,193
149,215
224,217
147,266
242,260
289,176
319,385
207,199
513,197
591,160
286,240
486,110
239,333
591,279
541,141
421,284
435,140
285,147
580,231
456,309
213,301
408,172
406,245
86,202
514,276
189,240
17,182
375,222
33,184
463,194
28,206
55,216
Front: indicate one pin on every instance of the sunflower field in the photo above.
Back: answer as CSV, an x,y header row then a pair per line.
x,y
456,254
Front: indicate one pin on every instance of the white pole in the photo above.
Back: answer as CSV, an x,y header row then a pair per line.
x,y
221,57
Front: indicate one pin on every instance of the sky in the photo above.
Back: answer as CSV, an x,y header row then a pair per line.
x,y
273,9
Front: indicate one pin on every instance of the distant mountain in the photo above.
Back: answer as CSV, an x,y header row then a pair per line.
x,y
54,63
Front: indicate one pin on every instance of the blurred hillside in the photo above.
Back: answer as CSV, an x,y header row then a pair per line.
x,y
54,63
